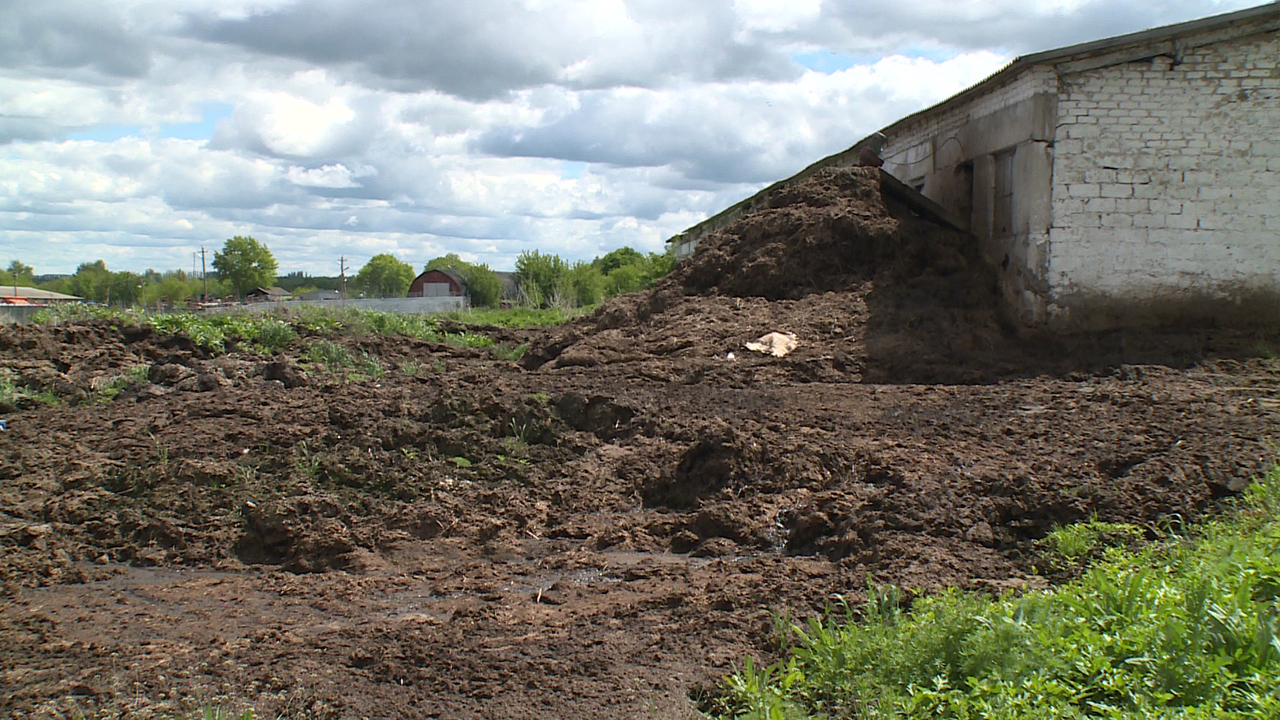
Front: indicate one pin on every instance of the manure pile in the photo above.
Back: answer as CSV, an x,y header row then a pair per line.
x,y
872,292
600,533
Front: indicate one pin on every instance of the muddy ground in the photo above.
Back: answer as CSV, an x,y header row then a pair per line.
x,y
604,528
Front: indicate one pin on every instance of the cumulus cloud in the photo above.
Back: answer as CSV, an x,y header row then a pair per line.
x,y
71,35
1013,25
486,48
139,130
752,132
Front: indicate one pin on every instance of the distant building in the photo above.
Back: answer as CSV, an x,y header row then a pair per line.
x,y
1132,180
510,286
272,294
438,283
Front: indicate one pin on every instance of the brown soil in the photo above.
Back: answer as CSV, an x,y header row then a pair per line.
x,y
608,526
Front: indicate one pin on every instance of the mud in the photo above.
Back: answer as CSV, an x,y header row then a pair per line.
x,y
605,528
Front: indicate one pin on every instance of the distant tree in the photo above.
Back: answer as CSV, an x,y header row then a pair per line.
x,y
125,288
385,275
245,263
627,270
174,288
659,266
616,259
541,278
625,279
92,281
484,287
20,273
447,262
586,284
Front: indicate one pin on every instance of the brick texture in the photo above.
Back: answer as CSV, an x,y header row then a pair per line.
x,y
1165,175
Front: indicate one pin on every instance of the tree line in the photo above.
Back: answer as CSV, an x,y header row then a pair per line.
x,y
243,264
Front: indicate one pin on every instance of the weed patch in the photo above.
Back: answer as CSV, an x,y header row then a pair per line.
x,y
1189,628
15,395
334,357
510,353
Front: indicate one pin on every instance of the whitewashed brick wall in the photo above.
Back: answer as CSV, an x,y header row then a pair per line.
x,y
909,152
1166,176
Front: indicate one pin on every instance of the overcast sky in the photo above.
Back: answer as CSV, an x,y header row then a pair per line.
x,y
135,131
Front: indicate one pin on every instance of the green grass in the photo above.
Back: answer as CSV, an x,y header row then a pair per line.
x,y
1188,627
513,317
1075,542
19,396
108,387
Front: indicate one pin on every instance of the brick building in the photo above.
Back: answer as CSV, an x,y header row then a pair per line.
x,y
1130,180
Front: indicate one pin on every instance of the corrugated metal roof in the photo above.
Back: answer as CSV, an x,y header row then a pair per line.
x,y
32,293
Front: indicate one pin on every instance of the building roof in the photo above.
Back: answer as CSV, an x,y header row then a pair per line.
x,y
32,293
450,273
269,292
1165,35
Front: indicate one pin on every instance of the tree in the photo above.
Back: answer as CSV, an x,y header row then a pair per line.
x,y
586,284
246,264
20,273
92,282
541,277
385,275
126,288
660,265
447,262
625,279
618,258
173,287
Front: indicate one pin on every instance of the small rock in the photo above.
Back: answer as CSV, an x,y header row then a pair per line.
x,y
288,375
981,534
715,547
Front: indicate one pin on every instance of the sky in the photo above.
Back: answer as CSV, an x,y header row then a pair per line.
x,y
139,131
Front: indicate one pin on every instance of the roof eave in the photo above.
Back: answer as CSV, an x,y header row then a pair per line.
x,y
1087,48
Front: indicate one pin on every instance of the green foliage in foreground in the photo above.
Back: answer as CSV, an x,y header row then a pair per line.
x,y
1189,628
261,332
267,332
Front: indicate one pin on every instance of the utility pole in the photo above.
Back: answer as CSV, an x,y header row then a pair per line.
x,y
204,274
342,271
